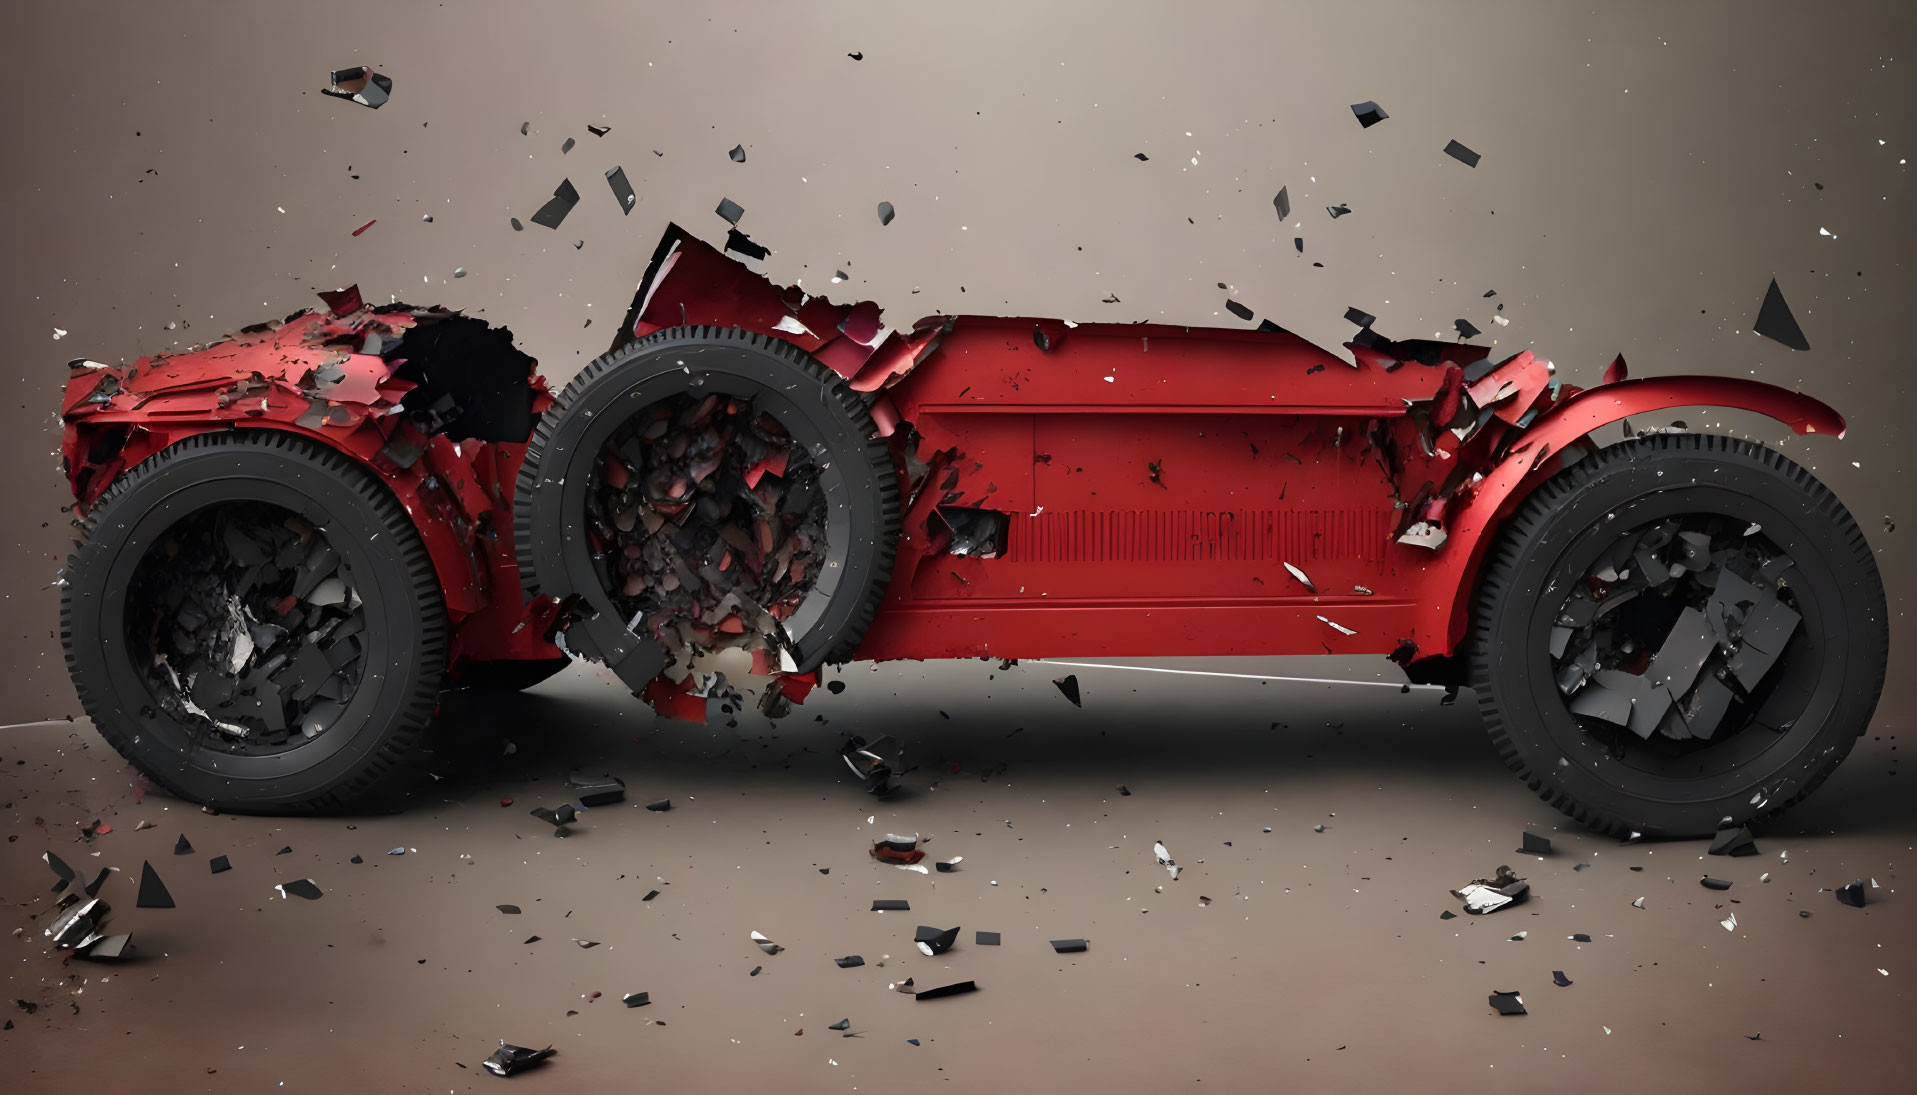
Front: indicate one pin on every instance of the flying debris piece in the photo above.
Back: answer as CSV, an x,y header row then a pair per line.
x,y
904,986
1491,894
890,904
874,761
1461,154
1851,894
583,944
567,147
78,922
947,866
1369,113
621,189
1318,828
1140,157
755,971
935,941
153,893
985,939
509,1059
1638,904
1361,318
1302,578
182,846
637,999
1535,844
300,887
1465,328
517,227
1238,309
765,944
730,210
66,874
1733,842
1337,211
1710,883
954,989
219,864
1558,979
599,130
1519,938
596,790
1617,370
739,242
1775,322
1729,923
564,197
1067,946
1068,686
660,806
849,961
885,214
1508,1003
1447,915
1579,937
525,128
737,153
1282,203
650,894
558,817
509,910
360,84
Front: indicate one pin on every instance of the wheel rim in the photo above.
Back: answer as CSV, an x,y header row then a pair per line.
x,y
1744,708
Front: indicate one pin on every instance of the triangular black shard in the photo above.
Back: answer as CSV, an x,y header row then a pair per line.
x,y
1447,915
507,1060
947,990
1369,113
357,859
1775,322
93,887
737,154
1338,210
1507,1003
621,189
1282,203
849,961
1068,684
66,873
1461,154
219,864
301,887
1733,842
843,1024
1535,844
1140,157
153,893
1270,328
660,807
730,210
1852,895
182,846
1067,946
551,214
1466,329
1558,979
284,851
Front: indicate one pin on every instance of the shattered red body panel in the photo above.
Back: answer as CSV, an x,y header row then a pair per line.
x,y
1154,490
337,377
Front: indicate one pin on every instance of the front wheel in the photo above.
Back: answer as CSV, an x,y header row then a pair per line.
x,y
1678,634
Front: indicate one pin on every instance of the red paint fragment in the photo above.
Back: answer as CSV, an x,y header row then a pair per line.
x,y
365,226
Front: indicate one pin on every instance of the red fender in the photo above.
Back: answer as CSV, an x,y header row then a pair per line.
x,y
1532,461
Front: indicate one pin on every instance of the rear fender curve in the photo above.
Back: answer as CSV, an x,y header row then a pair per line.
x,y
1443,621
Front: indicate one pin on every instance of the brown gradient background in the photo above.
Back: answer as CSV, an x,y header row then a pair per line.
x,y
1648,167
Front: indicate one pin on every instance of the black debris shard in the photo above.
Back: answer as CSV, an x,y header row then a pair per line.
x,y
510,1059
650,894
1336,211
596,790
1491,894
891,905
1447,915
219,864
1775,322
564,197
1067,946
985,939
1580,937
1535,845
885,213
1140,157
1733,842
357,859
621,189
1369,113
525,128
599,130
874,762
1068,686
1282,203
1466,329
1238,309
153,893
1558,979
1851,894
737,153
755,971
1508,1003
843,1024
1361,318
517,227
182,846
660,806
77,920
558,817
567,147
66,874
1042,340
509,910
583,944
637,999
856,55
954,989
740,243
288,850
1710,883
1461,154
360,84
730,210
93,887
300,887
849,961
935,941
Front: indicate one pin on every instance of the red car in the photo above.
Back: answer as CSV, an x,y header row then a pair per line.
x,y
295,538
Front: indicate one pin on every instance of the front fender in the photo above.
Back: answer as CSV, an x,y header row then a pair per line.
x,y
1533,459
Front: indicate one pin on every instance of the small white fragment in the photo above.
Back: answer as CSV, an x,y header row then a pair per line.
x,y
58,334
1729,923
1638,904
919,867
1303,578
1501,321
1338,627
1424,534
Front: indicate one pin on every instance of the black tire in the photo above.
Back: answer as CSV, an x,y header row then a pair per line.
x,y
808,400
505,676
1762,758
389,687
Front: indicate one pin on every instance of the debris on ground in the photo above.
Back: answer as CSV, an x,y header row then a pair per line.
x,y
660,806
849,961
360,84
637,999
1369,113
510,1059
1852,894
1165,859
559,817
153,892
891,905
1068,686
898,849
300,887
1558,979
985,939
1461,154
1067,946
1710,883
1491,894
1508,1003
219,864
935,941
946,990
765,944
1534,844
1738,841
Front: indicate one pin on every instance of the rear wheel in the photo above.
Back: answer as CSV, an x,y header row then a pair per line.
x,y
1678,634
252,621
